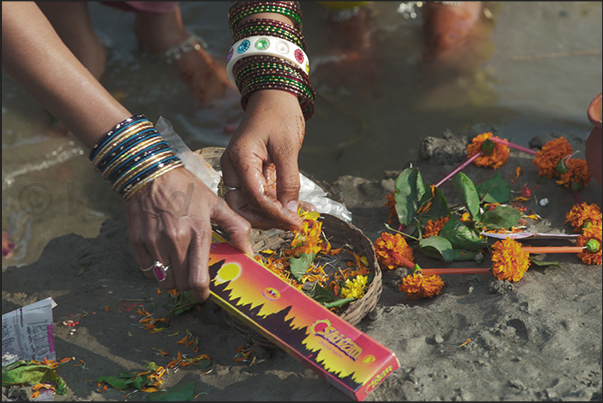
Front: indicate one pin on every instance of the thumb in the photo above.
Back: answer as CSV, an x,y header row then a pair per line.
x,y
236,226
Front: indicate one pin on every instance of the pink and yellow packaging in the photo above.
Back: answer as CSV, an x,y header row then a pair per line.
x,y
350,360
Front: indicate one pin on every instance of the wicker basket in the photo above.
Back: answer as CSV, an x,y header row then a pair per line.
x,y
339,233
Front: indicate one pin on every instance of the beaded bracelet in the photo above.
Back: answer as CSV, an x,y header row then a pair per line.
x,y
132,154
240,10
266,45
266,26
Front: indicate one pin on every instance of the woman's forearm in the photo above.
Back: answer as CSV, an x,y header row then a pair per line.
x,y
36,58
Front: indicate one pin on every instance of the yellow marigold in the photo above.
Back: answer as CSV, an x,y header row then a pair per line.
x,y
552,152
497,158
309,239
509,261
417,286
354,288
391,250
582,213
591,235
577,173
434,227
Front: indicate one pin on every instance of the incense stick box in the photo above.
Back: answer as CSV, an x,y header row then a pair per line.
x,y
349,359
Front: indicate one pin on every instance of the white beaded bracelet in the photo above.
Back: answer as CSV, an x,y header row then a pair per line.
x,y
266,45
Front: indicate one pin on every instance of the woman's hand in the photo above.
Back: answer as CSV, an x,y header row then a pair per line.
x,y
261,161
169,221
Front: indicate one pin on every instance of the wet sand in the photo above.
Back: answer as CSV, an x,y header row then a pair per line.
x,y
480,339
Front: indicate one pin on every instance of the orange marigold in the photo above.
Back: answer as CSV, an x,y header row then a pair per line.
x,y
390,248
434,227
497,158
417,286
577,173
391,204
509,261
592,234
552,152
583,213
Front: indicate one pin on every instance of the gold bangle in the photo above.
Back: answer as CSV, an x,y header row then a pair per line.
x,y
129,153
136,169
115,142
129,192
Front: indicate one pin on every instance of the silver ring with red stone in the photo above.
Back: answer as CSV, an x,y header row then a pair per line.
x,y
159,270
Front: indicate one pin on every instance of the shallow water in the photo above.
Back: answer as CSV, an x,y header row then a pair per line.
x,y
532,70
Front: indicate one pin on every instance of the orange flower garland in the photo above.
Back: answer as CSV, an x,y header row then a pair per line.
x,y
509,261
417,286
552,152
392,250
434,227
577,174
590,236
497,158
583,214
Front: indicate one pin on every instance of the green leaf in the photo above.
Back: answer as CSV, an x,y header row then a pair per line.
x,y
184,302
494,190
28,374
501,217
469,196
61,386
462,255
204,363
543,263
339,302
436,245
439,206
320,294
461,236
178,393
115,382
299,265
410,189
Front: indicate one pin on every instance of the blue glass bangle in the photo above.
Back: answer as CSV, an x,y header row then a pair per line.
x,y
149,171
116,130
136,159
125,146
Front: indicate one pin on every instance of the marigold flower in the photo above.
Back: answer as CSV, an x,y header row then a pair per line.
x,y
391,205
552,152
417,286
578,174
354,288
583,213
497,158
592,236
509,261
390,248
434,227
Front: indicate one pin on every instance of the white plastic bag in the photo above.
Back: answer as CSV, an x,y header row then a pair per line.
x,y
309,190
